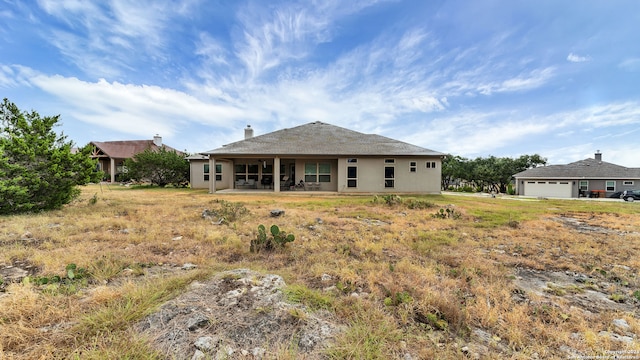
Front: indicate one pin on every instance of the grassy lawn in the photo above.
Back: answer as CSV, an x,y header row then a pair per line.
x,y
430,272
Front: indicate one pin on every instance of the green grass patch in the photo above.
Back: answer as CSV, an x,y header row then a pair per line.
x,y
313,299
428,241
370,335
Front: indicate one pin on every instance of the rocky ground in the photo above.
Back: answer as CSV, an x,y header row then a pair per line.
x,y
245,314
237,314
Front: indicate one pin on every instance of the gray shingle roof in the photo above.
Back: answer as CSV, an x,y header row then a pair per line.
x,y
318,138
587,168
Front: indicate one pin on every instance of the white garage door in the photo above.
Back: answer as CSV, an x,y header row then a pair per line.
x,y
548,188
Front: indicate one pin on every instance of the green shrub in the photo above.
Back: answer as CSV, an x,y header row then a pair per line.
x,y
268,242
389,200
38,169
226,211
419,204
446,213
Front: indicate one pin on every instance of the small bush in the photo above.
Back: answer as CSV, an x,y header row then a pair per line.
x,y
226,212
67,284
389,200
398,298
392,200
419,204
265,242
435,321
446,213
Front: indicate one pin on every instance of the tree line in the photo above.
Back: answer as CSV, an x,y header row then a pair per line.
x,y
491,174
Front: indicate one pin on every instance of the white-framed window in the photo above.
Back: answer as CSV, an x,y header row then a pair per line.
x,y
352,160
389,161
627,182
389,176
352,176
610,185
413,166
317,172
431,164
583,185
205,170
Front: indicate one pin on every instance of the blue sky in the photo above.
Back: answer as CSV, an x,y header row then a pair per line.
x,y
472,78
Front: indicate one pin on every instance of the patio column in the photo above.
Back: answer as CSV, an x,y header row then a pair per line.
x,y
212,175
276,174
113,170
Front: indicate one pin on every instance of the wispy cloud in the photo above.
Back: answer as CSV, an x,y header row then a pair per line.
x,y
472,133
136,108
577,58
534,79
630,64
104,39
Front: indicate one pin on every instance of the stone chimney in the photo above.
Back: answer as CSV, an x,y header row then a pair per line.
x,y
248,132
157,140
598,156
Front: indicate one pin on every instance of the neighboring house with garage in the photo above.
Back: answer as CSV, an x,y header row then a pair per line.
x,y
320,156
111,155
585,178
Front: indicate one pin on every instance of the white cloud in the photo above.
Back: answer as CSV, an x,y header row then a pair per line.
x,y
531,80
577,58
104,39
7,76
582,131
630,64
134,109
211,49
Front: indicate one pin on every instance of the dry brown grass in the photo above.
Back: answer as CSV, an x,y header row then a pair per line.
x,y
425,285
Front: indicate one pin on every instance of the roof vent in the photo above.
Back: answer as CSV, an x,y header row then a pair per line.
x,y
248,132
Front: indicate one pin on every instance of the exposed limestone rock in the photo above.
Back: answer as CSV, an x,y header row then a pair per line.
x,y
236,314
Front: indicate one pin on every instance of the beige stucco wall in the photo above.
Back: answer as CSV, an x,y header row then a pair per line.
x,y
371,175
196,174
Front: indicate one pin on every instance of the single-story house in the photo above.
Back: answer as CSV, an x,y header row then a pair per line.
x,y
111,155
584,178
320,156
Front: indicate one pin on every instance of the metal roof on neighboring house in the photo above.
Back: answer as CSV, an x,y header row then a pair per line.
x,y
128,148
318,138
587,168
